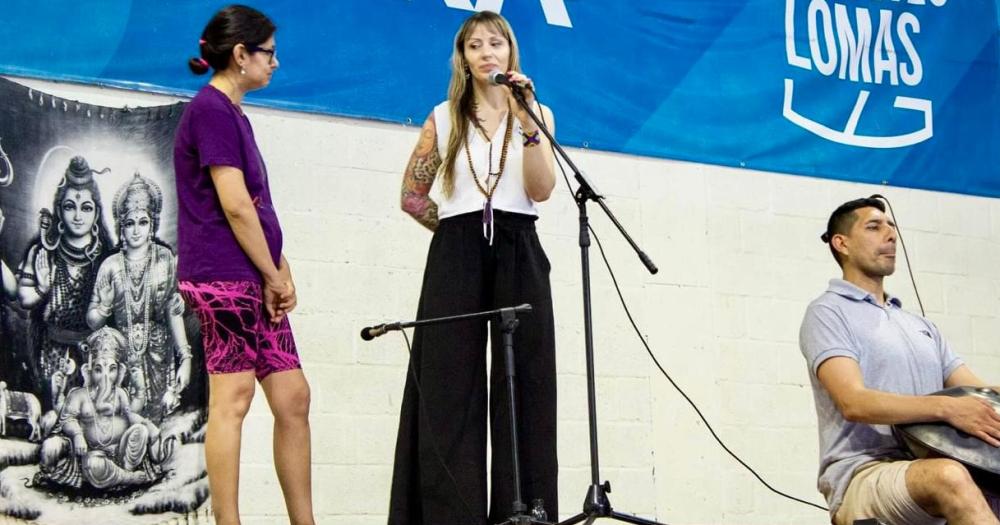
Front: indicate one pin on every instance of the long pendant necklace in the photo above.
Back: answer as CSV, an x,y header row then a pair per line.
x,y
138,341
488,189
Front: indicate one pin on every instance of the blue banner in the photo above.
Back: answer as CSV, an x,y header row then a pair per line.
x,y
898,92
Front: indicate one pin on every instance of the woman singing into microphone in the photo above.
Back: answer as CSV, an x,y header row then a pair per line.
x,y
488,165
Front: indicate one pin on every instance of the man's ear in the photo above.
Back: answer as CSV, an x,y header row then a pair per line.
x,y
840,243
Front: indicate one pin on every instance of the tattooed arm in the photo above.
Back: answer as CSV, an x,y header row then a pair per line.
x,y
419,176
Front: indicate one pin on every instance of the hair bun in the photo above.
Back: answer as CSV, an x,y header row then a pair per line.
x,y
198,65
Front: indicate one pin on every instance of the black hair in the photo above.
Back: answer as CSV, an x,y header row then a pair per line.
x,y
843,218
231,26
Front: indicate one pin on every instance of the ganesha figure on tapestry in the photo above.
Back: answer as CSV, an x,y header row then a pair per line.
x,y
98,440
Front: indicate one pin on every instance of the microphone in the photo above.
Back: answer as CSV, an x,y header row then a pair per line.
x,y
498,78
371,332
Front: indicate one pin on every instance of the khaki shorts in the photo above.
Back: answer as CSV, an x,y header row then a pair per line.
x,y
878,490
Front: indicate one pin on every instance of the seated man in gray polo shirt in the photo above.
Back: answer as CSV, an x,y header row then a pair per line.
x,y
872,365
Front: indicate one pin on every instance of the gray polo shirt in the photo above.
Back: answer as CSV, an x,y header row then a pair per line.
x,y
898,352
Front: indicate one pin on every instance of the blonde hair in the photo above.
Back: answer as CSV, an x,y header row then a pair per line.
x,y
460,92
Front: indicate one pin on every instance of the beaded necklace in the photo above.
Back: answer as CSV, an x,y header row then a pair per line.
x,y
138,296
488,189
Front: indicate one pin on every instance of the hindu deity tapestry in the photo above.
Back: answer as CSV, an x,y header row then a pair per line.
x,y
102,389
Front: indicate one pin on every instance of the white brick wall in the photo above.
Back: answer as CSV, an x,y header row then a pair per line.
x,y
740,258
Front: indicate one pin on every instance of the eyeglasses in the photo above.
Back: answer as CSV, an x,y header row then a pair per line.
x,y
270,52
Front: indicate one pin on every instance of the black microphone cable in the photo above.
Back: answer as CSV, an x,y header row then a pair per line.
x,y
652,356
899,233
681,391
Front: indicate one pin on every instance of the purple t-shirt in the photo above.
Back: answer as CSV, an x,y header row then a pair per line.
x,y
214,132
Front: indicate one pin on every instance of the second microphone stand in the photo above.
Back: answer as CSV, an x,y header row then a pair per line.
x,y
596,504
508,323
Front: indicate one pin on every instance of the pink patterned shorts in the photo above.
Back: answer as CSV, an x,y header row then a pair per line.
x,y
235,330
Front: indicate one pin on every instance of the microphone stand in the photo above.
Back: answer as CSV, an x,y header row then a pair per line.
x,y
596,504
380,329
508,323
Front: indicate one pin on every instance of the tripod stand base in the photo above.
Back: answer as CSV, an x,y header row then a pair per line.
x,y
613,515
597,506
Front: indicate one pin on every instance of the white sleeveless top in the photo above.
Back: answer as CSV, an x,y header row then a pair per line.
x,y
466,197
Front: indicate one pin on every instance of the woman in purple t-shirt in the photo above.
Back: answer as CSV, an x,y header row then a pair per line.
x,y
230,268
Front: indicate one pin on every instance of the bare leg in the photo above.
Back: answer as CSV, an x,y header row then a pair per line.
x,y
288,395
944,488
228,402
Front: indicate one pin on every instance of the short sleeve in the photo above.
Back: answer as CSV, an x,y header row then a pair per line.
x,y
171,272
949,359
217,138
825,334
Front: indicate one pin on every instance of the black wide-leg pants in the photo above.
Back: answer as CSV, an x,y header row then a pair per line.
x,y
464,274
